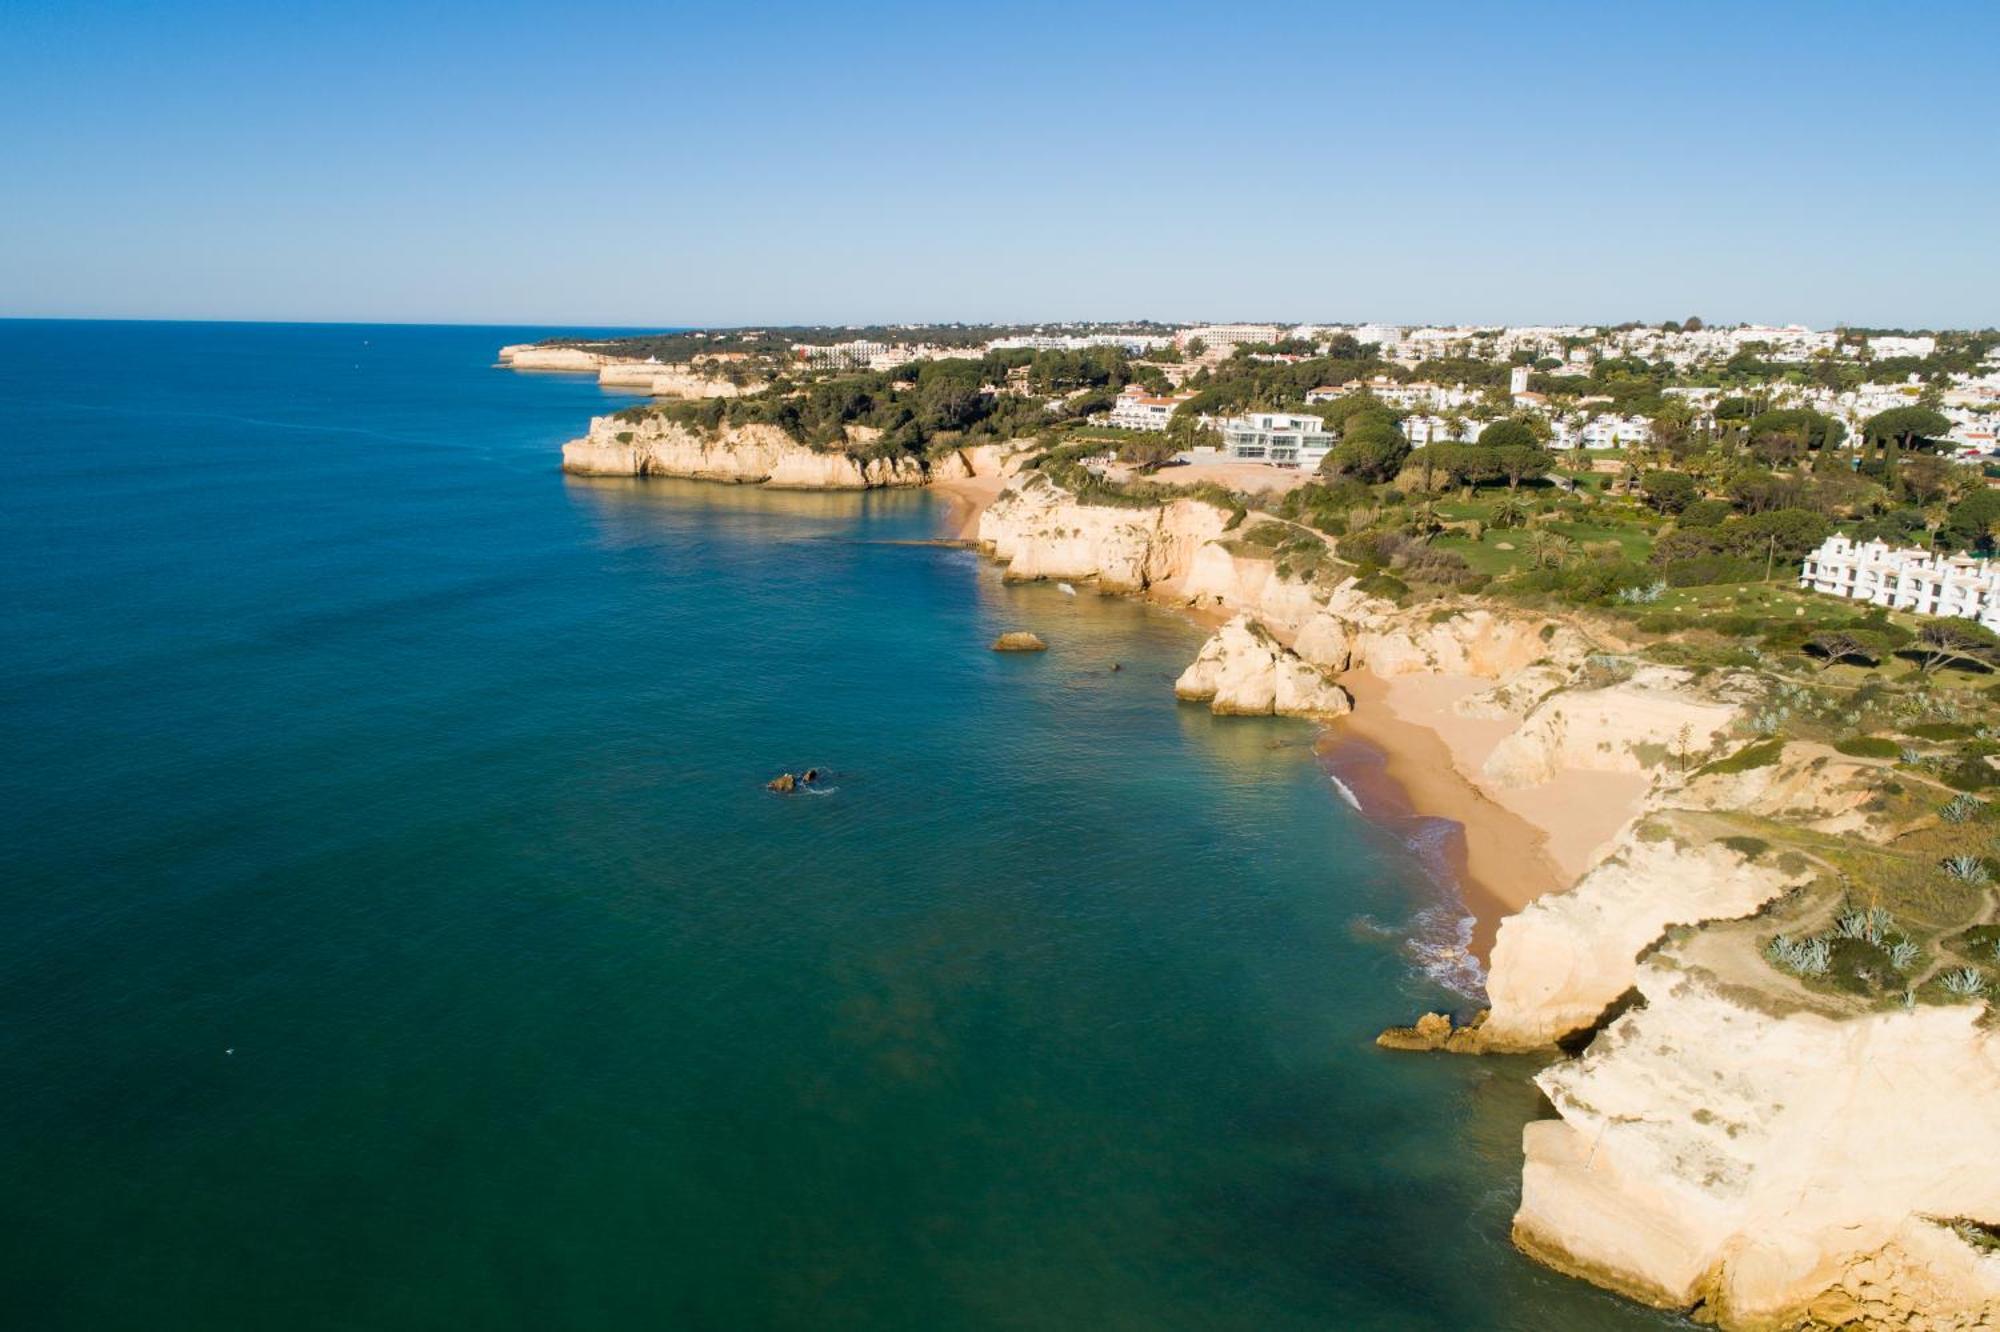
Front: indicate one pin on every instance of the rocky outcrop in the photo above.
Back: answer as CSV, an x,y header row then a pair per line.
x,y
753,454
1039,530
1019,640
1773,1166
1560,962
1243,670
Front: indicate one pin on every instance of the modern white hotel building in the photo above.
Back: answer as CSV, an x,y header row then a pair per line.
x,y
1275,437
1909,579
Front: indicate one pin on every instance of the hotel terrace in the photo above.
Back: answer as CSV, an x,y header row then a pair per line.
x,y
1909,579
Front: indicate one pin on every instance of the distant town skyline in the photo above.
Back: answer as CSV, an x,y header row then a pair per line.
x,y
654,166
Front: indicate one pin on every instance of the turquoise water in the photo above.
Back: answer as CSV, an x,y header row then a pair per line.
x,y
396,934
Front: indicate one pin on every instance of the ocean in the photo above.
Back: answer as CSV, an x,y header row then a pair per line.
x,y
397,933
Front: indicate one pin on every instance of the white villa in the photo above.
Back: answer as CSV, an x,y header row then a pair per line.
x,y
1275,437
1136,409
1910,579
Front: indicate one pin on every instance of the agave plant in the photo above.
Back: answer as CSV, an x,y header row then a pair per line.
x,y
1903,954
1805,957
1964,982
1959,809
1872,925
1966,869
1911,756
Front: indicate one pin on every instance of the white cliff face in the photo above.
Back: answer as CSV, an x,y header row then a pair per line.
x,y
1628,727
669,381
527,356
1220,576
1040,530
754,454
1245,671
1773,1166
1475,642
1563,960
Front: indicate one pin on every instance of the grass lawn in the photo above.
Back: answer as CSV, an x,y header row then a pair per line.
x,y
1777,599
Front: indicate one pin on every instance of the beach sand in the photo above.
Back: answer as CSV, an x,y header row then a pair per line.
x,y
1502,861
968,499
1516,844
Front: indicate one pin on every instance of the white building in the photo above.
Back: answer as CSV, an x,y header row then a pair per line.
x,y
1910,579
1602,432
856,355
1224,338
1435,397
1886,346
1280,438
1421,430
1133,344
1138,410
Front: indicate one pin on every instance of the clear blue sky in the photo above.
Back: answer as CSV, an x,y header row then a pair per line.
x,y
727,164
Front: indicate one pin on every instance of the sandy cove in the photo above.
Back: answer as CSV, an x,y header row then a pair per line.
x,y
1517,844
967,499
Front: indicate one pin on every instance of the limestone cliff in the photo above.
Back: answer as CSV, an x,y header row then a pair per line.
x,y
1773,1165
753,454
670,381
1562,961
1627,726
1243,670
576,360
1039,530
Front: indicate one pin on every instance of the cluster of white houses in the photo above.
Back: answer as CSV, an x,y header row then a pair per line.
x,y
1906,579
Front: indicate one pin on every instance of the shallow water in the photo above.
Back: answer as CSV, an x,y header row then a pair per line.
x,y
397,933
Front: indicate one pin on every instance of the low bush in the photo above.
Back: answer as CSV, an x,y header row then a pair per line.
x,y
1747,847
1868,746
1383,585
1762,754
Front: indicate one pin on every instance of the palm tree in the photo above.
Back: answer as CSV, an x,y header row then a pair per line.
x,y
1512,511
1935,517
1550,549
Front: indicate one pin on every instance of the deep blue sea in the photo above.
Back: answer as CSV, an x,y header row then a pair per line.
x,y
395,932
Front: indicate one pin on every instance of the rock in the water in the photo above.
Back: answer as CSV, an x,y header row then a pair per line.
x,y
784,784
1434,1031
809,776
1019,640
1244,670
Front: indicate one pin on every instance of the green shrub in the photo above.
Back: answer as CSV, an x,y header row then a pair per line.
x,y
1869,746
1383,585
1747,847
1940,730
1970,774
1762,754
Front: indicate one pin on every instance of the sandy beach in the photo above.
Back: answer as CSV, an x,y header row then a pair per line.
x,y
968,499
1503,860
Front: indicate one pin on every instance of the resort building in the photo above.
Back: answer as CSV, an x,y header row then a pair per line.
x,y
1907,579
1602,432
1421,393
857,355
1224,338
1275,437
1138,410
